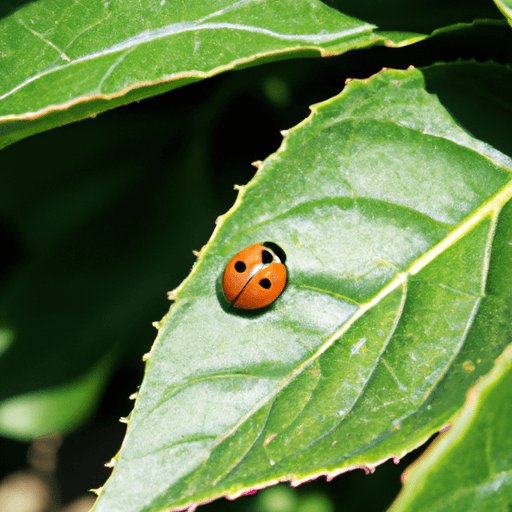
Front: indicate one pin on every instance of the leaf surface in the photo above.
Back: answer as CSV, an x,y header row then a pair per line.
x,y
61,62
392,218
446,477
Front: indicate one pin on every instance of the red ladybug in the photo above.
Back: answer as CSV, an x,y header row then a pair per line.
x,y
255,277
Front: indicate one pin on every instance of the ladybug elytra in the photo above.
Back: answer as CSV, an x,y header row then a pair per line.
x,y
255,277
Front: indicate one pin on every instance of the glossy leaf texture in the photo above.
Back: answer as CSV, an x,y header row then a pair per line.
x,y
505,6
61,62
447,478
392,218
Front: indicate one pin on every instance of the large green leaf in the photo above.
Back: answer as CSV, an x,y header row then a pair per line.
x,y
447,477
392,217
60,62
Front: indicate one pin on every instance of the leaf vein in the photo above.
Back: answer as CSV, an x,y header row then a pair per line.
x,y
46,41
180,28
363,389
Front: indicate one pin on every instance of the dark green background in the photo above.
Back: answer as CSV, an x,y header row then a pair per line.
x,y
170,163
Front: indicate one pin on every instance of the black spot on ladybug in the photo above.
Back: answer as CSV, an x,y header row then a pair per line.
x,y
266,257
276,250
265,283
240,267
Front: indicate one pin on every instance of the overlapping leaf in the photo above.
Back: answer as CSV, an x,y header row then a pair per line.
x,y
392,217
62,61
447,478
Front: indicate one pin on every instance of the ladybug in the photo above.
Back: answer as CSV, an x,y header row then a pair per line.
x,y
255,277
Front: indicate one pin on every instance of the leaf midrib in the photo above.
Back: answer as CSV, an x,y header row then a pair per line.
x,y
178,28
489,207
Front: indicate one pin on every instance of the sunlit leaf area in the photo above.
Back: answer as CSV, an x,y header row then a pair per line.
x,y
145,144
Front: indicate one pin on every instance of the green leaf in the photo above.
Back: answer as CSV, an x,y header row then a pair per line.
x,y
478,98
394,221
60,62
468,468
53,410
505,6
